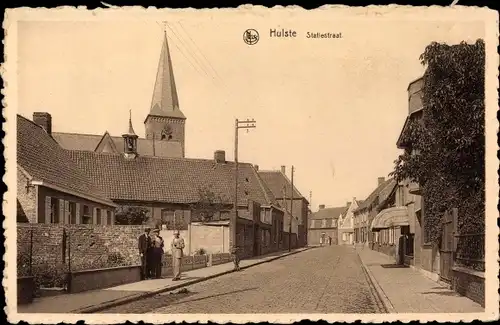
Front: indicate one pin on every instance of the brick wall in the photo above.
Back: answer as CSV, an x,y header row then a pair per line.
x,y
470,284
26,196
85,246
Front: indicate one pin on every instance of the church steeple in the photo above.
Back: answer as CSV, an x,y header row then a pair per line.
x,y
165,101
130,140
165,121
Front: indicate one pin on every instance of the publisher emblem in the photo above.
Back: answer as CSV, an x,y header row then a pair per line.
x,y
251,36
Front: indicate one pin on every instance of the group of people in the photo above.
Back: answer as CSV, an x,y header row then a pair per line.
x,y
151,245
327,240
151,251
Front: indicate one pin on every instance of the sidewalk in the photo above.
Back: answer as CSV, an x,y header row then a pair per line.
x,y
96,300
404,290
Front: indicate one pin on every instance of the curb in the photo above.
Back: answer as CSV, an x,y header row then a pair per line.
x,y
389,308
125,300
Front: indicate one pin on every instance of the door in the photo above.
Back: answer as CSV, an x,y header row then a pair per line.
x,y
257,240
446,248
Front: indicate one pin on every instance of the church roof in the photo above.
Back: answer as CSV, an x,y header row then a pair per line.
x,y
172,180
145,147
45,161
165,101
276,180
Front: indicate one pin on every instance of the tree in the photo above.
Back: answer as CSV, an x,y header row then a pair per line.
x,y
131,215
449,138
208,205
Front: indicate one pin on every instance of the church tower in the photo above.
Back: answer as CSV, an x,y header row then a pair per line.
x,y
165,121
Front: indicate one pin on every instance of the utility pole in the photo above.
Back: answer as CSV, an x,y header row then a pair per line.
x,y
248,124
291,217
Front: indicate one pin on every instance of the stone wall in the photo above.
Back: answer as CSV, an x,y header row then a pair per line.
x,y
469,283
79,247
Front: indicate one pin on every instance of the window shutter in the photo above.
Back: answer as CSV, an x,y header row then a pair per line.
x,y
48,201
61,211
67,217
77,213
94,216
104,217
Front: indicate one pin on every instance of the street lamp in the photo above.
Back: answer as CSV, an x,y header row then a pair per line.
x,y
247,124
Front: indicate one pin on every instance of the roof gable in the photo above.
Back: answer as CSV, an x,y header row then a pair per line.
x,y
44,160
106,144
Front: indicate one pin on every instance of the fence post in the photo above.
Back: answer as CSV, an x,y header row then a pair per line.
x,y
69,276
31,252
454,213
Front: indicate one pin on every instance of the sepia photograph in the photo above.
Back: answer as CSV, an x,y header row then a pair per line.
x,y
251,164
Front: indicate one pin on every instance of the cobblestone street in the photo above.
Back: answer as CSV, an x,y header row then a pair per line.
x,y
321,280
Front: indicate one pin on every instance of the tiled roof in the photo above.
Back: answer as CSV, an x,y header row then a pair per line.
x,y
328,213
382,191
44,160
275,180
145,147
173,180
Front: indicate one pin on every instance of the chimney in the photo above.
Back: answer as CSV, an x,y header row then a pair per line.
x,y
283,170
321,206
256,167
348,203
381,180
220,156
44,120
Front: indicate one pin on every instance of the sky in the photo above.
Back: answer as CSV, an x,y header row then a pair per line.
x,y
332,108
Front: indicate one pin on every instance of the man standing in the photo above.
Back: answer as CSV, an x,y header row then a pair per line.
x,y
143,245
177,253
156,254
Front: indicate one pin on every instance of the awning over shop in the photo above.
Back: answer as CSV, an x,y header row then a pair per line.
x,y
391,217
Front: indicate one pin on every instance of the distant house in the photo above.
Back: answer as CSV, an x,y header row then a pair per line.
x,y
367,210
281,187
323,224
51,188
346,223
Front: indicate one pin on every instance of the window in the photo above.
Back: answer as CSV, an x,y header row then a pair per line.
x,y
87,216
409,244
344,237
174,219
98,216
72,212
54,210
109,218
